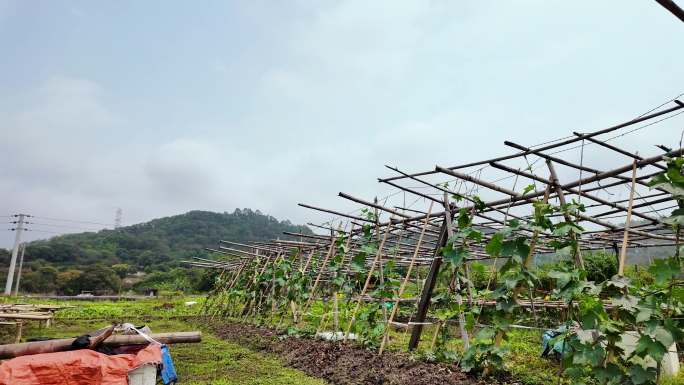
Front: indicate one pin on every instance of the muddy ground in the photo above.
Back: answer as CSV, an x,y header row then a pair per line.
x,y
345,364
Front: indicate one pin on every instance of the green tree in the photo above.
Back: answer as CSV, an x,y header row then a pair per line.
x,y
122,269
100,279
69,282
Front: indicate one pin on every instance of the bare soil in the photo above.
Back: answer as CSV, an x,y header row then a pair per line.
x,y
342,363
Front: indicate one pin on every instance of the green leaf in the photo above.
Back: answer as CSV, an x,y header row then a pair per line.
x,y
664,270
359,262
591,311
626,302
643,314
648,346
512,281
589,355
561,277
464,219
485,334
474,235
522,248
454,257
675,220
618,282
679,211
640,375
664,336
508,248
479,204
369,249
674,329
658,180
527,189
674,173
494,245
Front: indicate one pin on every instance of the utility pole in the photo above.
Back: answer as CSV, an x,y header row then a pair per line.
x,y
21,265
15,252
117,218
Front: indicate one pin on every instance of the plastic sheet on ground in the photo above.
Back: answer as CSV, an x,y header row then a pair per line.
x,y
76,367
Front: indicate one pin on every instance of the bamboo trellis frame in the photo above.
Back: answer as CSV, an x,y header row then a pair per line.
x,y
412,236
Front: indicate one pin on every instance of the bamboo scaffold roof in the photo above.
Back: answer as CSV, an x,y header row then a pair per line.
x,y
591,168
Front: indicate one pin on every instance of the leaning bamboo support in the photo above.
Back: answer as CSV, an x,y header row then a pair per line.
x,y
336,314
404,283
367,283
459,300
320,270
561,197
308,261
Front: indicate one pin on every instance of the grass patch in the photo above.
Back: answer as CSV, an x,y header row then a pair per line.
x,y
212,362
117,310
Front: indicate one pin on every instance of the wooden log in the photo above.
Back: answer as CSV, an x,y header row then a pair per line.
x,y
38,317
164,338
60,345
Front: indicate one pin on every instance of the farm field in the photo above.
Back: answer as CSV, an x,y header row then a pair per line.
x,y
236,352
214,361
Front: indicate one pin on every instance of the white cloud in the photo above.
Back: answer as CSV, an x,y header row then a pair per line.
x,y
263,107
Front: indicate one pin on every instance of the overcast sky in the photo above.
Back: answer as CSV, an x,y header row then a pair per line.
x,y
163,107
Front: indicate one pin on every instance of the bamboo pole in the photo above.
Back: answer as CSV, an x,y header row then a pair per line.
x,y
336,314
554,144
367,283
321,269
561,197
625,237
459,299
59,345
428,287
404,282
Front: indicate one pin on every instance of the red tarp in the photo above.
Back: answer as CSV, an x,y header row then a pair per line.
x,y
76,367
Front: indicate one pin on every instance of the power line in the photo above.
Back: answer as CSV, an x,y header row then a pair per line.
x,y
73,221
62,226
44,231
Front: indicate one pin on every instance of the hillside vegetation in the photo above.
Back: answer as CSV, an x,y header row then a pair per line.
x,y
99,261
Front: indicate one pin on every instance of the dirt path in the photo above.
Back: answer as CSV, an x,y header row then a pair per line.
x,y
344,364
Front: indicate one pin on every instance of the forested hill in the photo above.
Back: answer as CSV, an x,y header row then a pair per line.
x,y
158,244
